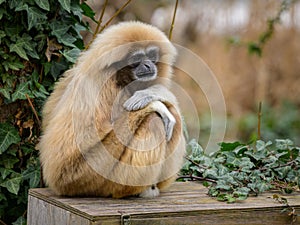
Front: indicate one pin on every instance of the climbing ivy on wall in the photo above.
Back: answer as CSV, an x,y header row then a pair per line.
x,y
39,40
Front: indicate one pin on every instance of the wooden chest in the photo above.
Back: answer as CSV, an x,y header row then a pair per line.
x,y
183,203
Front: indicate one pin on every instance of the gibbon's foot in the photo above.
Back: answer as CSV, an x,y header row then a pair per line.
x,y
150,192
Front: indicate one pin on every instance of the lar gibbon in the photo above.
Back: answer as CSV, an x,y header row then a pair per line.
x,y
111,127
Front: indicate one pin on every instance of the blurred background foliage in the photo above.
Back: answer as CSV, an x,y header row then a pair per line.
x,y
251,46
40,39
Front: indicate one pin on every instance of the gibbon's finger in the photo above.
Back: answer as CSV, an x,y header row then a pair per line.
x,y
169,124
139,100
167,118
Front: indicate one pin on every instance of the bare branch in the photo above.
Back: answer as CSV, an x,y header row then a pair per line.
x,y
173,21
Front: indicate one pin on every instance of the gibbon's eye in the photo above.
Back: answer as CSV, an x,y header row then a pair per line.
x,y
153,54
134,65
135,60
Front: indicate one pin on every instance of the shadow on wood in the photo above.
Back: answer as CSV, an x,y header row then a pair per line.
x,y
183,203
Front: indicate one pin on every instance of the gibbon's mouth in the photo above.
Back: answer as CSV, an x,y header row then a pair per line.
x,y
146,76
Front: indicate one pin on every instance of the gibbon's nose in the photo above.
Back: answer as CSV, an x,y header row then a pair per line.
x,y
147,66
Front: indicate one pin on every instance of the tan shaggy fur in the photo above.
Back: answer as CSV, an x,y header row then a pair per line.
x,y
91,146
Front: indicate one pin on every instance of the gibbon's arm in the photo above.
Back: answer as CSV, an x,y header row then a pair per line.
x,y
158,98
140,99
167,118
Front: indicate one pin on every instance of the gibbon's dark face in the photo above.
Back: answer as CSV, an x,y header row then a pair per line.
x,y
138,65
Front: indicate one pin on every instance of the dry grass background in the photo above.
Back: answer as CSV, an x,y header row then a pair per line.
x,y
205,27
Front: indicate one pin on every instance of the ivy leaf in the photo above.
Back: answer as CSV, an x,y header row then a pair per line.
x,y
5,92
78,28
1,1
2,197
34,17
283,144
16,65
22,44
19,49
8,135
76,10
13,184
66,4
33,176
9,161
57,68
59,29
5,172
20,221
2,33
88,11
22,6
68,40
21,91
43,4
71,55
261,145
195,149
229,146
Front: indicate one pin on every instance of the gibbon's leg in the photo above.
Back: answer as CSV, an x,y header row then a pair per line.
x,y
147,145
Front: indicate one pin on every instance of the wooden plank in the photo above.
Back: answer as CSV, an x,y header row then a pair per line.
x,y
183,203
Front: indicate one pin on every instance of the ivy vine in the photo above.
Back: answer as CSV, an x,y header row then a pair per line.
x,y
237,171
39,40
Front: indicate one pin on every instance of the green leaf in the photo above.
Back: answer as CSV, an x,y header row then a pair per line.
x,y
76,10
254,48
68,40
8,135
5,92
194,149
242,192
5,172
33,176
13,184
21,91
34,17
66,4
8,161
229,146
283,144
210,173
2,13
78,28
23,43
71,55
16,65
13,3
59,29
20,221
43,4
22,6
19,49
231,159
261,145
2,35
57,68
88,11
1,1
2,197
